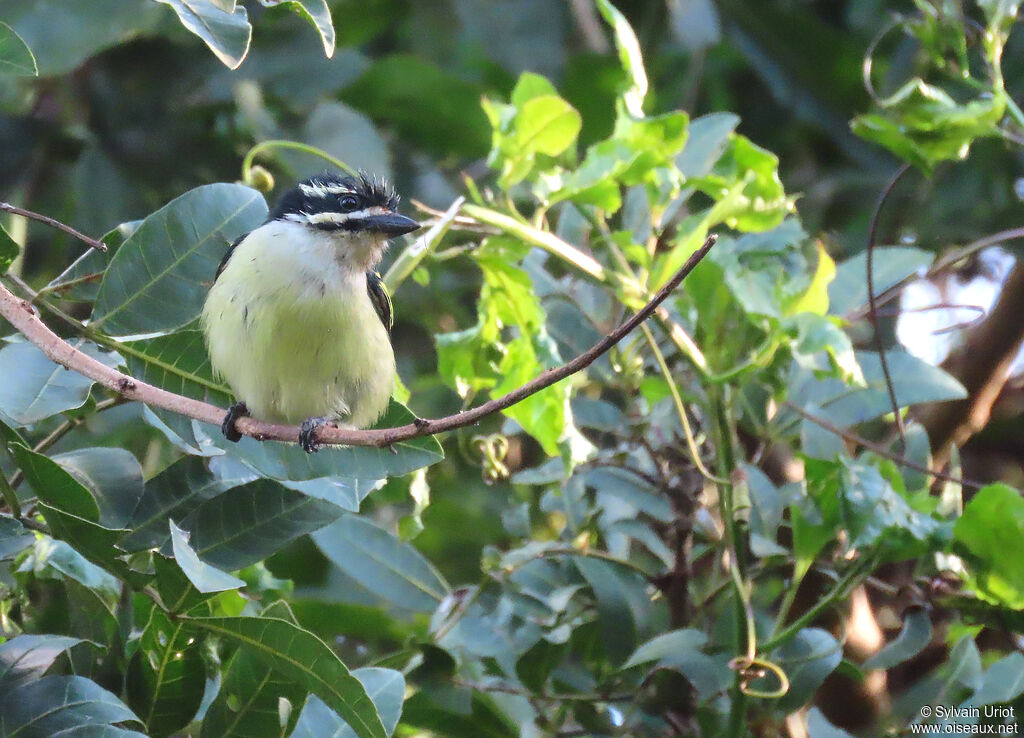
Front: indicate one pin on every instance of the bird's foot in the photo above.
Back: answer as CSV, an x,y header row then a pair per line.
x,y
308,434
227,426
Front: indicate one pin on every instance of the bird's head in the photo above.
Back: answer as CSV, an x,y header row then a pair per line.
x,y
359,212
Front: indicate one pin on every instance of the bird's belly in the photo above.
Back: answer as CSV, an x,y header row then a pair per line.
x,y
291,355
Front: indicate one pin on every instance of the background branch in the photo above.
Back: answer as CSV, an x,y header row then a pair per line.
x,y
15,210
22,316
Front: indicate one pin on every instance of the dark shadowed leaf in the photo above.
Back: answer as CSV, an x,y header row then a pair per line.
x,y
166,675
172,495
112,475
299,655
248,523
158,279
387,566
27,657
248,704
623,606
56,703
14,537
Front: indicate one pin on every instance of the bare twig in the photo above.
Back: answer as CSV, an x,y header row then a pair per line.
x,y
7,207
21,315
872,305
879,449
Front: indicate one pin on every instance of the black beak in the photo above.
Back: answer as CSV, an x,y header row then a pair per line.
x,y
390,224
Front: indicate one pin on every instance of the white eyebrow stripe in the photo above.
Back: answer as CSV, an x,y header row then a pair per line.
x,y
319,189
342,217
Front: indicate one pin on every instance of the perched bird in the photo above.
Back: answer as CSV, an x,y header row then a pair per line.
x,y
297,321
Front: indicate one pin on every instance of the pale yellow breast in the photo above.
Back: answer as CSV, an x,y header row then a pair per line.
x,y
294,332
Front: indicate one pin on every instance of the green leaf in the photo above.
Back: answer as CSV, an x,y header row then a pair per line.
x,y
14,537
1003,682
26,658
629,55
112,475
815,298
81,280
314,11
158,279
991,529
178,363
166,676
891,264
173,494
386,687
63,35
15,60
304,658
226,32
392,569
403,91
623,607
54,704
287,461
668,647
807,660
35,388
249,702
204,578
9,248
878,515
248,523
914,382
709,137
965,663
914,636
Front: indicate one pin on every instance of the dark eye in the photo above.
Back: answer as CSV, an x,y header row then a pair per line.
x,y
348,203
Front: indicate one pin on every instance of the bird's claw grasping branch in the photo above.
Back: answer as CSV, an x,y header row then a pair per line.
x,y
21,315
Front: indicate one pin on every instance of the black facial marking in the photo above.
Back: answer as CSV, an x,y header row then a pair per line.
x,y
354,193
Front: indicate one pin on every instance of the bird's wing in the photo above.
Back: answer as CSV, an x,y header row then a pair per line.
x,y
227,255
380,298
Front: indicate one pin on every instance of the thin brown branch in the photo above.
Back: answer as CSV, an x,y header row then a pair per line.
x,y
13,209
983,366
872,304
22,316
878,449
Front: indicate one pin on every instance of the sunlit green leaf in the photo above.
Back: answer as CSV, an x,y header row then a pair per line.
x,y
992,530
9,248
629,55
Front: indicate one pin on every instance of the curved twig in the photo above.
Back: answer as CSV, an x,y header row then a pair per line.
x,y
21,315
15,210
873,306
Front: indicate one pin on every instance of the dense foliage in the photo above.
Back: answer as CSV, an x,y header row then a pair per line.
x,y
669,543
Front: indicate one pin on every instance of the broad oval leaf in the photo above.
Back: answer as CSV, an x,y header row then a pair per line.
x,y
57,703
668,647
914,636
158,279
35,388
386,688
112,475
226,32
27,657
248,523
304,658
166,675
390,568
